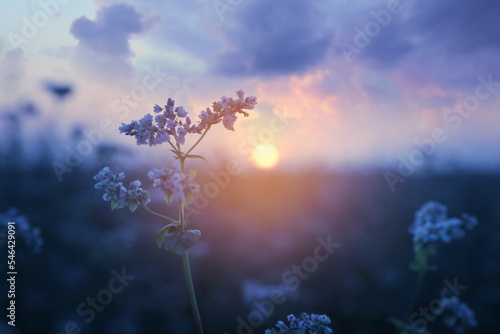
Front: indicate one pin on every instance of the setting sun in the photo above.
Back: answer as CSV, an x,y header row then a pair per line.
x,y
265,156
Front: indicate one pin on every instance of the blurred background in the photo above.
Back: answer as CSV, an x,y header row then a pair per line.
x,y
367,110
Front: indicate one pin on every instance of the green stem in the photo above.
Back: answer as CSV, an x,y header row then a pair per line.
x,y
175,149
416,292
187,268
192,296
199,140
157,214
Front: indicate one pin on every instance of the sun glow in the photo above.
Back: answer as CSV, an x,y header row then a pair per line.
x,y
265,156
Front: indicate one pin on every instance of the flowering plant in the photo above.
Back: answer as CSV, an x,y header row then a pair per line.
x,y
313,323
171,125
31,235
431,228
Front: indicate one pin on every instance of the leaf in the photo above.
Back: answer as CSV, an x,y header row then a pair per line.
x,y
163,231
177,153
179,242
396,322
168,197
195,156
133,205
406,328
189,199
114,204
422,255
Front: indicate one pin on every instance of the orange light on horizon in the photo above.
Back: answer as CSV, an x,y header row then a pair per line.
x,y
265,156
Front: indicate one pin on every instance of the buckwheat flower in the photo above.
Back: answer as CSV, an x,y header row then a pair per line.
x,y
228,121
31,235
457,315
161,137
240,94
169,109
146,131
137,194
181,133
157,108
469,221
105,177
116,193
314,323
171,125
173,182
432,225
181,112
161,120
226,109
129,129
207,117
250,102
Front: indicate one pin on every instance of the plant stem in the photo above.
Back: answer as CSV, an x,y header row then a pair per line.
x,y
203,135
157,214
192,296
187,268
175,149
416,292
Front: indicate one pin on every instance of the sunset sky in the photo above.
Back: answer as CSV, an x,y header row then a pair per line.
x,y
353,82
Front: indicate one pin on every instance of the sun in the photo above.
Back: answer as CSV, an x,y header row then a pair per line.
x,y
265,156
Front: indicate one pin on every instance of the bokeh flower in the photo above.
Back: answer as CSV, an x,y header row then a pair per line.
x,y
432,225
31,235
457,315
313,323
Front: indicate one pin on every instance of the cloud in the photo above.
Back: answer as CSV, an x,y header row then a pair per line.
x,y
465,26
274,38
426,32
11,73
103,44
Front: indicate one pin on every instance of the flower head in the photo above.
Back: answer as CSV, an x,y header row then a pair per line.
x,y
457,315
173,182
313,323
167,122
431,225
31,235
116,193
181,112
227,108
147,130
157,108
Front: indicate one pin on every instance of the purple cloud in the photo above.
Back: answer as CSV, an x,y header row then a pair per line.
x,y
275,37
104,43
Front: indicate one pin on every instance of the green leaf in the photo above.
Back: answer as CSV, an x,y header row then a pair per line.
x,y
396,322
406,328
168,197
189,199
422,256
133,205
177,153
179,242
114,204
194,156
163,231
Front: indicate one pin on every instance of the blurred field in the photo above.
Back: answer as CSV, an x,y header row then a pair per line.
x,y
256,229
